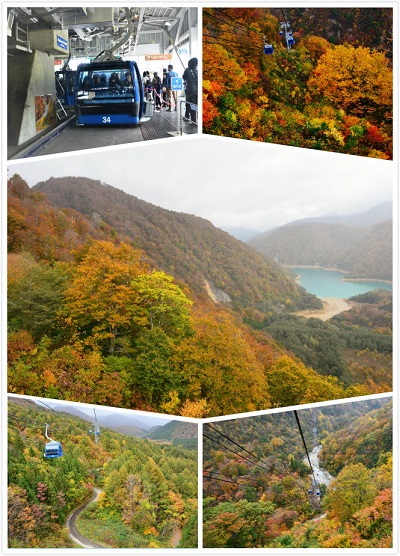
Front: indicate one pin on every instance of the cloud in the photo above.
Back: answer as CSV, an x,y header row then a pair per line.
x,y
230,182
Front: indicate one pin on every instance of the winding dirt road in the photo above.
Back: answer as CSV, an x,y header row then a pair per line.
x,y
71,523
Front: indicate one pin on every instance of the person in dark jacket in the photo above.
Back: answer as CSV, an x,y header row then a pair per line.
x,y
190,76
157,87
164,88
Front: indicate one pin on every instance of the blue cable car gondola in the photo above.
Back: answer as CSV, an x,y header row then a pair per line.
x,y
290,39
286,33
268,49
109,92
52,449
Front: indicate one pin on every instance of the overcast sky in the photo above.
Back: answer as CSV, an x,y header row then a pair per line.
x,y
101,413
230,182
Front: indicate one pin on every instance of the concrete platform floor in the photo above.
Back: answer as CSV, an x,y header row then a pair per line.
x,y
76,138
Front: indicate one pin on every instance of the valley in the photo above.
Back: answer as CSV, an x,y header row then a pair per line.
x,y
258,490
214,318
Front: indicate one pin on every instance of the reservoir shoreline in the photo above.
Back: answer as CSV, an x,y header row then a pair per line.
x,y
342,271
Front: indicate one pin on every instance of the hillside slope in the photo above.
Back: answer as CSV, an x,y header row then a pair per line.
x,y
189,247
269,501
363,252
331,90
148,489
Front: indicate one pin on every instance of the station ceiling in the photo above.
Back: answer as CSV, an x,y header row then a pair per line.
x,y
92,30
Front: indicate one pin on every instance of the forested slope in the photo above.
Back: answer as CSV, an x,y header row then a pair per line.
x,y
188,247
158,345
149,489
362,252
332,91
257,491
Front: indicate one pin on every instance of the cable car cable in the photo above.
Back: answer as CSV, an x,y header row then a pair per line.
x,y
225,32
305,445
241,447
268,48
230,476
242,30
216,479
244,24
221,36
227,481
33,403
230,450
51,409
233,451
238,477
213,16
226,45
237,43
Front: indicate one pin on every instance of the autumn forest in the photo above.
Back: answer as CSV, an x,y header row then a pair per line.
x,y
331,90
148,488
100,297
258,484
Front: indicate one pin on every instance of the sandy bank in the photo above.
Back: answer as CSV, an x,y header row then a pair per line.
x,y
332,307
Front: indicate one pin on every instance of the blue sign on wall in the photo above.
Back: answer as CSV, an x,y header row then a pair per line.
x,y
62,43
176,83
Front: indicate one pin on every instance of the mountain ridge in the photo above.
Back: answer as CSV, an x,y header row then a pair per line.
x,y
363,252
188,247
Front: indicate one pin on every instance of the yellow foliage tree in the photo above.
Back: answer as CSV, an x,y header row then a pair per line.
x,y
356,79
101,298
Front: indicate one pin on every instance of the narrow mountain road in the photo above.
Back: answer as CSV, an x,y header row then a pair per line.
x,y
71,523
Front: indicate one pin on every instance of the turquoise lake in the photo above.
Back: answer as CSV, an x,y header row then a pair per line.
x,y
329,283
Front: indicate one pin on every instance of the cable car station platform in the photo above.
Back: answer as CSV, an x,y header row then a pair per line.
x,y
68,137
55,56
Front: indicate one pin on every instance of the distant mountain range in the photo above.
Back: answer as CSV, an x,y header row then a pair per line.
x,y
131,425
243,234
360,244
365,219
188,247
174,430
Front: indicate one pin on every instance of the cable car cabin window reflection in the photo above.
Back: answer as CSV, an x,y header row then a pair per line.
x,y
108,93
53,449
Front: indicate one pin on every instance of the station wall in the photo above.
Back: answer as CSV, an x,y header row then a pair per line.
x,y
29,75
